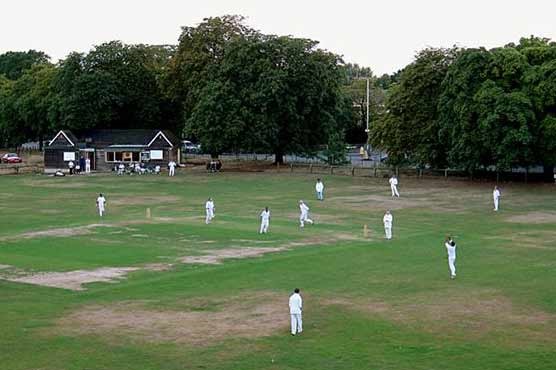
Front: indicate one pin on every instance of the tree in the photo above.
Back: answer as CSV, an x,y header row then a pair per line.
x,y
492,114
25,105
7,114
242,90
33,100
115,86
306,103
198,56
14,63
408,130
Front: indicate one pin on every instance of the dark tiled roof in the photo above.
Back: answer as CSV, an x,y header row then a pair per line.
x,y
118,137
104,138
71,136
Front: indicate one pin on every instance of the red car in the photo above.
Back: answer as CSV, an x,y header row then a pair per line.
x,y
11,158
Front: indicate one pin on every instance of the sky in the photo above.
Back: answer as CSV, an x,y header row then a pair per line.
x,y
383,35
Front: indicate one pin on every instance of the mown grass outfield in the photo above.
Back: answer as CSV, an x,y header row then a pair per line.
x,y
369,304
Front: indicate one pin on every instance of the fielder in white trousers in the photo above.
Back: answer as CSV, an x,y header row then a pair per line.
x,y
101,201
265,221
304,216
496,197
171,168
209,206
296,306
450,245
394,186
388,219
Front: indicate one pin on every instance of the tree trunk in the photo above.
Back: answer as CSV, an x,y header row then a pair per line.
x,y
278,158
548,173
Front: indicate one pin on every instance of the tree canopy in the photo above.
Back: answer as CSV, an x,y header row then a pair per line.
x,y
236,89
242,90
474,108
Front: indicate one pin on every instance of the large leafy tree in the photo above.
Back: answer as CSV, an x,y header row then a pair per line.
x,y
496,107
306,103
114,86
540,86
408,130
198,57
25,105
242,90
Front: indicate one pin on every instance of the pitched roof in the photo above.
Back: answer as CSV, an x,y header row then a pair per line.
x,y
104,138
67,136
118,137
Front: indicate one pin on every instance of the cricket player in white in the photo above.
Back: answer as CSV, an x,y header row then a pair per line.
x,y
171,168
209,205
450,245
296,306
87,165
496,197
265,220
394,186
304,217
319,188
388,219
101,202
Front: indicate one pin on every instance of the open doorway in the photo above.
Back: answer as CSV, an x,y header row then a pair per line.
x,y
89,154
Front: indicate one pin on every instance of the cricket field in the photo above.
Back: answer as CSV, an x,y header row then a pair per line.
x,y
151,287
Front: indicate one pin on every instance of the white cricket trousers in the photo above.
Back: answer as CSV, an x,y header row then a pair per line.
x,y
172,171
87,168
304,218
210,216
388,231
394,189
264,227
452,265
296,323
100,211
496,203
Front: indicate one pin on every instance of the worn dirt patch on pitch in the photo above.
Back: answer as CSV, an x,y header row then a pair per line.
x,y
56,183
541,239
319,217
141,200
217,256
63,232
472,315
534,218
199,323
158,266
377,201
74,280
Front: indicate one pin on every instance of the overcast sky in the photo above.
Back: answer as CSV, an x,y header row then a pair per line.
x,y
383,35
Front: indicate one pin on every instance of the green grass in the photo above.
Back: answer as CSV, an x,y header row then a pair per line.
x,y
369,304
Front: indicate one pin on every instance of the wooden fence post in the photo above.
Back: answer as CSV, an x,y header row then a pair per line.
x,y
352,171
446,173
311,168
291,167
